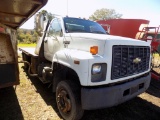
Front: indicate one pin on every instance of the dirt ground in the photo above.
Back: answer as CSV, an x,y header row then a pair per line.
x,y
32,100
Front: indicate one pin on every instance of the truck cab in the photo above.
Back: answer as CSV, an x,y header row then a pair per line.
x,y
88,68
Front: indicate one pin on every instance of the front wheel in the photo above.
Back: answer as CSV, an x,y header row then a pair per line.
x,y
68,100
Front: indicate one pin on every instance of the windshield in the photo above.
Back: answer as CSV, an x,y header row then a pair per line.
x,y
82,25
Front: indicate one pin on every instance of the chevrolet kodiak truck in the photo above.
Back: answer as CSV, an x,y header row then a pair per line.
x,y
88,68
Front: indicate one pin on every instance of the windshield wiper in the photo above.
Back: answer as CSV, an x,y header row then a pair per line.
x,y
98,32
77,30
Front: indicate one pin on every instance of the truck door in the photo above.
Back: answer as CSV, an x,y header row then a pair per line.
x,y
53,39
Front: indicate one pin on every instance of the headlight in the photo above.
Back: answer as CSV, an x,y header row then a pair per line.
x,y
98,72
96,69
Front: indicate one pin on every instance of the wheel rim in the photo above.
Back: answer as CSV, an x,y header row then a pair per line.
x,y
63,101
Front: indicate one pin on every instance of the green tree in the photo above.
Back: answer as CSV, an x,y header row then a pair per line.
x,y
19,33
35,37
22,37
28,38
104,13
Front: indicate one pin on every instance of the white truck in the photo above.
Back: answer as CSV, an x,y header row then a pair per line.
x,y
88,68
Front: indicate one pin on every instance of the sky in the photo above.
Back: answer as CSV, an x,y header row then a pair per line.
x,y
130,9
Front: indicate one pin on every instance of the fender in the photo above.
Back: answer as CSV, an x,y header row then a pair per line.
x,y
68,57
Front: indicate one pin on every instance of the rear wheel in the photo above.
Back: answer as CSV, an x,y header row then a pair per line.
x,y
68,100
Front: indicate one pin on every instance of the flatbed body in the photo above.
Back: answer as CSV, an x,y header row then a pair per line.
x,y
29,52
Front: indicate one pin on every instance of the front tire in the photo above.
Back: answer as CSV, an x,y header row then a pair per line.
x,y
68,100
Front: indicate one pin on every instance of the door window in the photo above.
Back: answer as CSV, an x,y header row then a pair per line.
x,y
55,28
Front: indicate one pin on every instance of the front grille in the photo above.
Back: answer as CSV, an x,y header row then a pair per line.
x,y
129,60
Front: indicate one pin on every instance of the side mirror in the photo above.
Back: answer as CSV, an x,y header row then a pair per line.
x,y
39,23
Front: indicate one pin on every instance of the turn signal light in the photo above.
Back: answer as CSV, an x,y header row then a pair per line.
x,y
94,50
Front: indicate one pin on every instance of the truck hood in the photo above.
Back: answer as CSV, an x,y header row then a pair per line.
x,y
89,36
101,37
83,41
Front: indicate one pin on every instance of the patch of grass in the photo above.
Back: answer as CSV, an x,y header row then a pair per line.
x,y
26,45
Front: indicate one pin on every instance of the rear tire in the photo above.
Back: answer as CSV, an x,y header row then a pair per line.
x,y
68,100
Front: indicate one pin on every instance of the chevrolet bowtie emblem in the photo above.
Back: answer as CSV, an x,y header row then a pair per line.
x,y
137,60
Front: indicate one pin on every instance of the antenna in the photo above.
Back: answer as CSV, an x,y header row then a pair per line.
x,y
67,7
